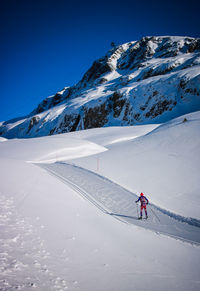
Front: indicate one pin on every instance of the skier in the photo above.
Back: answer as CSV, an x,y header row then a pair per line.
x,y
144,201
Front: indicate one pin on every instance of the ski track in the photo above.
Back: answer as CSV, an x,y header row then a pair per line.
x,y
118,202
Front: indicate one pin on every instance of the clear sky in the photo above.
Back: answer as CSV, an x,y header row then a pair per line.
x,y
49,44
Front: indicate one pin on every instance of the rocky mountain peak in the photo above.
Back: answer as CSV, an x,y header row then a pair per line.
x,y
151,80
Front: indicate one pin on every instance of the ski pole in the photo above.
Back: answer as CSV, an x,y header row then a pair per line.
x,y
137,210
154,214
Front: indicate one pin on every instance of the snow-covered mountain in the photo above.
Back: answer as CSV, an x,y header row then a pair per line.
x,y
148,81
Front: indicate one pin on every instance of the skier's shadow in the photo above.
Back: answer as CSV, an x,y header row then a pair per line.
x,y
125,216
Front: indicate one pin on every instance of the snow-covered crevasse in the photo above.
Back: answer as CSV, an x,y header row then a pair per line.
x,y
120,203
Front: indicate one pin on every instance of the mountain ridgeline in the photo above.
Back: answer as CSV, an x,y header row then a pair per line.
x,y
151,80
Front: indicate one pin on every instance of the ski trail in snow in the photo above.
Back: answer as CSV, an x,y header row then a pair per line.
x,y
118,202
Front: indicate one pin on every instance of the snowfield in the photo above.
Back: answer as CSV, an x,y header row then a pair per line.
x,y
68,219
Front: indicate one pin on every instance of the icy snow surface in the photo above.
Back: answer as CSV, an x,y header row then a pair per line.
x,y
71,224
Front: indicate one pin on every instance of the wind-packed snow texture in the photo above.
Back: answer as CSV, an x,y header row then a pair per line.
x,y
151,80
68,212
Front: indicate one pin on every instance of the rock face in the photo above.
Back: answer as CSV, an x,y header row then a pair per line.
x,y
147,81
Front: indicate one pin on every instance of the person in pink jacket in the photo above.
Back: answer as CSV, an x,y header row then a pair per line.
x,y
143,204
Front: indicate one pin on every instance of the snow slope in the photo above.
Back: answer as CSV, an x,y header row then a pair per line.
x,y
164,164
53,238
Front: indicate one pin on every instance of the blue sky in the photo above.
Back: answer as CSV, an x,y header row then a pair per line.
x,y
47,45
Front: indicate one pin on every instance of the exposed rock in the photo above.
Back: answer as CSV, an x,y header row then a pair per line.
x,y
98,68
95,117
116,103
160,107
34,121
69,123
127,112
102,80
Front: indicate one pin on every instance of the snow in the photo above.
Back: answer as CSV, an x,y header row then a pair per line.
x,y
49,149
165,163
56,236
2,139
15,124
53,114
114,200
